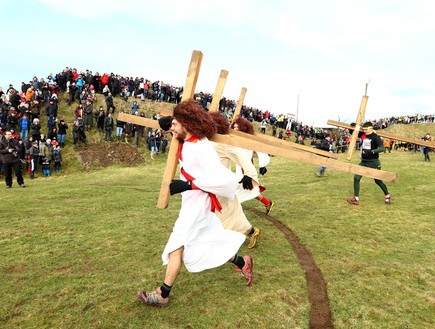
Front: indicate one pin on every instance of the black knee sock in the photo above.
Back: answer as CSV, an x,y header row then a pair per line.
x,y
238,261
165,290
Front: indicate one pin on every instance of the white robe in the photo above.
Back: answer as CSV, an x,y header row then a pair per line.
x,y
245,195
206,243
232,215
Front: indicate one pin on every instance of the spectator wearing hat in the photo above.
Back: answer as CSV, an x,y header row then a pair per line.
x,y
134,107
80,83
61,132
79,131
46,150
9,151
110,104
24,125
88,115
57,157
108,127
51,108
36,129
12,119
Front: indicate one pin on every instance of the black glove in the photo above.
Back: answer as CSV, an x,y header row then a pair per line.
x,y
247,183
263,170
178,186
165,122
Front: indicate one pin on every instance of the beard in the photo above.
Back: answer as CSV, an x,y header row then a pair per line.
x,y
181,136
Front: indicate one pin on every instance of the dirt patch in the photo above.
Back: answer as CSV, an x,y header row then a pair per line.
x,y
320,311
103,155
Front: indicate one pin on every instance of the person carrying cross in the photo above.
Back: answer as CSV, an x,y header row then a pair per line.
x,y
198,238
232,215
371,146
243,125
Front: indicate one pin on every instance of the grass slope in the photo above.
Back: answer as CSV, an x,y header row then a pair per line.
x,y
74,250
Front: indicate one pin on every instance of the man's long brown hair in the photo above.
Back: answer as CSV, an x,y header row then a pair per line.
x,y
194,118
244,125
220,122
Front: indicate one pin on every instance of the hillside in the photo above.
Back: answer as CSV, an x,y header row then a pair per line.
x,y
126,154
412,130
99,153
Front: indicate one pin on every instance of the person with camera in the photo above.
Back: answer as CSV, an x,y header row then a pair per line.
x,y
9,148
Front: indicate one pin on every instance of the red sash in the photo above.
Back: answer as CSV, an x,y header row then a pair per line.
x,y
215,204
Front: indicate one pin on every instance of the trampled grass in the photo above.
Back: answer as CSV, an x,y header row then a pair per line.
x,y
75,249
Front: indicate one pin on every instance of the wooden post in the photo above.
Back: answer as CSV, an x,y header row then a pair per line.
x,y
239,103
381,133
172,161
219,91
359,119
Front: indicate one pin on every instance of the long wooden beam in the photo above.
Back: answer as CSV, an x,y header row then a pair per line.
x,y
270,140
246,142
359,119
257,137
138,120
219,91
240,139
386,135
274,141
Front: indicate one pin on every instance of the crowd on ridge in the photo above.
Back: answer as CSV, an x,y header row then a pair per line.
x,y
21,111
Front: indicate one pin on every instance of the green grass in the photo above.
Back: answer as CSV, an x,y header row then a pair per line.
x,y
75,249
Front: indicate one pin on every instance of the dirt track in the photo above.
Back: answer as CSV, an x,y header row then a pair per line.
x,y
320,312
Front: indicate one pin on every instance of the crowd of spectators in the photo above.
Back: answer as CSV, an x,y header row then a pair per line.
x,y
23,108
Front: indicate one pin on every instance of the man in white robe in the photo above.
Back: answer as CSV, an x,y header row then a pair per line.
x,y
243,195
198,238
232,215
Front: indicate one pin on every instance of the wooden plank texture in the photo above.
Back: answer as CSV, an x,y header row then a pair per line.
x,y
219,91
359,119
172,161
246,142
386,135
239,103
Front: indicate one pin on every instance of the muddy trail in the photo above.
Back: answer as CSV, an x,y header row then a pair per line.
x,y
320,311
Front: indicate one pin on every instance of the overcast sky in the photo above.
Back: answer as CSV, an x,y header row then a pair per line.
x,y
325,52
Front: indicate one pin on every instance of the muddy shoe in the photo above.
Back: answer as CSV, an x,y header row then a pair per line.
x,y
152,298
247,271
353,200
252,239
270,207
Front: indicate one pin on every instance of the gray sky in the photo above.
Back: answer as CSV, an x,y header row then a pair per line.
x,y
323,51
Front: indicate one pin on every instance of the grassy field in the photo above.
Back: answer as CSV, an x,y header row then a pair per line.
x,y
74,250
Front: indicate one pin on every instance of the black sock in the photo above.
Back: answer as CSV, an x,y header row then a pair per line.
x,y
165,290
251,231
238,261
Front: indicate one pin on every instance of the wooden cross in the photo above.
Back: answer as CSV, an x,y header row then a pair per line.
x,y
386,135
255,142
359,119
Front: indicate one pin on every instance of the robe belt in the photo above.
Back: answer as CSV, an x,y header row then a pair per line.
x,y
215,204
